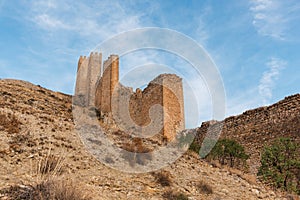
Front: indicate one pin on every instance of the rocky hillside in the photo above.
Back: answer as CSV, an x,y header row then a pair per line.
x,y
36,123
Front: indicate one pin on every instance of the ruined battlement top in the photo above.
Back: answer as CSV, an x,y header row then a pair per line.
x,y
95,53
165,76
92,54
110,60
100,81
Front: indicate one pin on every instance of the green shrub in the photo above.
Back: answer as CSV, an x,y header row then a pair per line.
x,y
228,152
280,165
195,146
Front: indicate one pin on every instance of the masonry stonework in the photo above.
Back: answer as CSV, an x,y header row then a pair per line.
x,y
258,127
160,103
87,76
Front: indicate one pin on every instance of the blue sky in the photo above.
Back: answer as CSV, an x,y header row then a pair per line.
x,y
255,44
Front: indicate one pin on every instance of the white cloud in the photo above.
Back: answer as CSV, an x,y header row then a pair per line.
x,y
274,18
47,22
268,18
256,96
63,30
267,82
98,20
61,23
202,34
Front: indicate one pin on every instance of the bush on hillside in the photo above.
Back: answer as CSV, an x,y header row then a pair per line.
x,y
204,188
280,165
225,151
164,178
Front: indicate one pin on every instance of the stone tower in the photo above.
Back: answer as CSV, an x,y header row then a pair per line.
x,y
88,72
106,84
98,89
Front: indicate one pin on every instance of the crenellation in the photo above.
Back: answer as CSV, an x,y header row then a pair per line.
x,y
80,61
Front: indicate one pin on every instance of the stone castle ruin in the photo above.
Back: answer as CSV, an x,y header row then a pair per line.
x,y
159,108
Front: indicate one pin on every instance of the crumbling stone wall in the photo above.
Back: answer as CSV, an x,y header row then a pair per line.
x,y
173,104
166,91
107,94
258,127
106,84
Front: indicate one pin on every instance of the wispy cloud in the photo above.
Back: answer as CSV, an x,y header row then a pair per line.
x,y
60,31
267,82
202,34
100,19
273,17
47,22
256,96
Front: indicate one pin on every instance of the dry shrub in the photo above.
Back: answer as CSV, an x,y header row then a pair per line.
x,y
163,178
171,195
136,152
48,186
292,197
50,165
10,123
249,178
23,139
46,190
204,188
215,164
246,176
136,146
19,141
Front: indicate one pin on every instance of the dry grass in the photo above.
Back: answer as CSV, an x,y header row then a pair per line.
x,y
136,146
10,123
136,152
52,164
49,184
46,190
204,188
164,178
17,139
250,178
171,195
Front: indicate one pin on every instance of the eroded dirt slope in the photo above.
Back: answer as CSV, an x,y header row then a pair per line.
x,y
35,121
